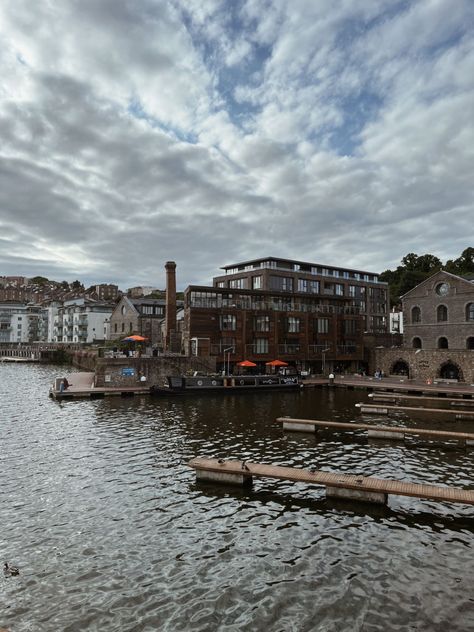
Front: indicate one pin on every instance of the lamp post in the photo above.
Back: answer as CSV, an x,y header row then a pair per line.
x,y
324,358
227,350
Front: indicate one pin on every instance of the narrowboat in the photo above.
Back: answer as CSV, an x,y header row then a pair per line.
x,y
224,384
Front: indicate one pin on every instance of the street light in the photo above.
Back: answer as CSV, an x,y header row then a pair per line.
x,y
227,350
324,358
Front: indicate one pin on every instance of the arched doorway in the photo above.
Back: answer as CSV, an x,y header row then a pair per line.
x,y
400,367
470,342
450,371
416,343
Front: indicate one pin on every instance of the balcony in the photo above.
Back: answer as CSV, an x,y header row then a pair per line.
x,y
288,349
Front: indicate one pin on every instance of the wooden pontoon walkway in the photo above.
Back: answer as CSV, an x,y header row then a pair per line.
x,y
393,385
348,486
396,397
382,409
374,431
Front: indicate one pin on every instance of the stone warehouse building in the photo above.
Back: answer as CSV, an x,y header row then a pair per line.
x,y
438,316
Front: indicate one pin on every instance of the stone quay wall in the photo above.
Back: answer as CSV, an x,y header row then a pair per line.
x,y
427,364
127,371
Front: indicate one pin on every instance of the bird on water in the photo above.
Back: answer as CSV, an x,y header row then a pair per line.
x,y
10,571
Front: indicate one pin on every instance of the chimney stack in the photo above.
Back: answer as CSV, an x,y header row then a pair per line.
x,y
170,320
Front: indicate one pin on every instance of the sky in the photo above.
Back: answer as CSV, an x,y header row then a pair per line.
x,y
209,132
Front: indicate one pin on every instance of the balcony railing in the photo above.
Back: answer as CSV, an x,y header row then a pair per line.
x,y
273,306
289,349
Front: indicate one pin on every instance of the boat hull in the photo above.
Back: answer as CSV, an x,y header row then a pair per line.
x,y
202,384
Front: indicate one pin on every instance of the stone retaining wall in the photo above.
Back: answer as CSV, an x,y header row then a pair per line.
x,y
426,364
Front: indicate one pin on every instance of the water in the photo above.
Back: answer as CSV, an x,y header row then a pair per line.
x,y
112,533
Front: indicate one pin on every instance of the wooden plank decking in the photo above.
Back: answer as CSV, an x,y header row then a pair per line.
x,y
383,409
395,397
334,480
313,425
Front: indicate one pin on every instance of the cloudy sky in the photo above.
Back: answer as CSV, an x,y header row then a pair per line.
x,y
214,131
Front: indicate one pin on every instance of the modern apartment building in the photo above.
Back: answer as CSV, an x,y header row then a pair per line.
x,y
19,322
81,320
301,279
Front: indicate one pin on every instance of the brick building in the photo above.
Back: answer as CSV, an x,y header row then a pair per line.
x,y
360,289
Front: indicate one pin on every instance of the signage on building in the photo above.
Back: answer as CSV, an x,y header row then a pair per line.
x,y
128,371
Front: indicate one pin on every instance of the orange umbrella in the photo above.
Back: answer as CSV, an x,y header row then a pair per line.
x,y
246,363
134,338
276,363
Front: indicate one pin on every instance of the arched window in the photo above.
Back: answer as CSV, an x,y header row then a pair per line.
x,y
417,343
443,343
442,313
470,311
470,342
416,314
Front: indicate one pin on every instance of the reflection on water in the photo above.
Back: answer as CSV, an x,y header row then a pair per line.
x,y
111,531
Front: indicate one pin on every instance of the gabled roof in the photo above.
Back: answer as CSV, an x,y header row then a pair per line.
x,y
442,274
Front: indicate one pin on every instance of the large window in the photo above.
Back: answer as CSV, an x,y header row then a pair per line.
x,y
350,327
237,284
470,311
339,289
256,283
281,284
322,325
228,322
262,323
415,314
293,325
442,313
261,345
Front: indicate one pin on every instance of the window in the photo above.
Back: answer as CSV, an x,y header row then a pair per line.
x,y
262,323
470,342
221,284
123,327
314,287
470,311
261,345
281,284
302,285
115,328
416,315
442,313
442,343
339,289
256,283
350,327
228,322
352,290
293,325
147,309
238,284
322,325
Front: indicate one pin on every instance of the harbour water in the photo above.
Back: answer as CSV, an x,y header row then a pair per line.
x,y
112,533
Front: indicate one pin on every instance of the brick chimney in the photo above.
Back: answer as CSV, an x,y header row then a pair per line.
x,y
170,321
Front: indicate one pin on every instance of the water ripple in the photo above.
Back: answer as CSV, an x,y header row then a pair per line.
x,y
111,531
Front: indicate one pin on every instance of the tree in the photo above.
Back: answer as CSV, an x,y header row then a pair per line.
x,y
463,264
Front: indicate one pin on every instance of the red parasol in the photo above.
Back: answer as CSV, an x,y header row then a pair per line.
x,y
246,363
276,363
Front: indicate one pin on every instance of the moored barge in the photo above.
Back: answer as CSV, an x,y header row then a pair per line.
x,y
224,384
